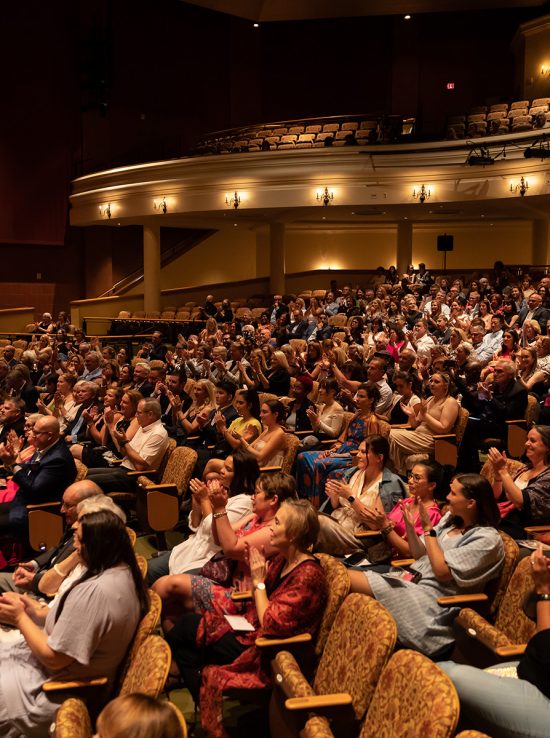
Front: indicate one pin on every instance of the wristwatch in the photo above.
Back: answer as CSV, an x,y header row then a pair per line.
x,y
432,533
545,597
123,443
260,585
351,499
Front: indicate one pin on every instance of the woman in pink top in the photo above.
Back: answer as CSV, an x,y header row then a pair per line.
x,y
424,479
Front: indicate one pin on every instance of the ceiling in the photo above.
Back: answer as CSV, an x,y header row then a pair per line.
x,y
285,10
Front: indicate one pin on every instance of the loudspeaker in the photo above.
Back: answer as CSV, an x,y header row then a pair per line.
x,y
445,243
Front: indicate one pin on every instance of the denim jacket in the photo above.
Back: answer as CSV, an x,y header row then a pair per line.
x,y
392,487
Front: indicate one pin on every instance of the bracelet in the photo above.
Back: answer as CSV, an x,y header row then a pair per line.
x,y
545,597
219,515
59,572
387,529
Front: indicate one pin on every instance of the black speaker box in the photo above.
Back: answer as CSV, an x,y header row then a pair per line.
x,y
445,243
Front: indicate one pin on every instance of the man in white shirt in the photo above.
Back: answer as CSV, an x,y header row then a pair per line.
x,y
493,339
421,341
143,453
376,373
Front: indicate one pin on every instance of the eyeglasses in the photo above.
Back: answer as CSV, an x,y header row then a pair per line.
x,y
39,433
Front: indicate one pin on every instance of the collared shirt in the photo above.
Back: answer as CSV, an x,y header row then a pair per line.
x,y
386,396
150,443
90,376
493,340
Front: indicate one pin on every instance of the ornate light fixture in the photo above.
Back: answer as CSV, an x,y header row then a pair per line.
x,y
422,194
325,197
234,201
522,187
105,210
160,205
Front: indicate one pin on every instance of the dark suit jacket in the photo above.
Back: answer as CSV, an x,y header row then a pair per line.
x,y
18,427
30,396
146,389
541,315
509,403
208,433
47,479
55,555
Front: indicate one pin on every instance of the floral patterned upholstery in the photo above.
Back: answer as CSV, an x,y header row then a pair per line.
x,y
142,564
384,429
339,584
317,727
470,620
497,587
414,697
146,626
72,720
81,470
488,471
293,443
132,536
359,645
471,734
149,668
511,619
178,469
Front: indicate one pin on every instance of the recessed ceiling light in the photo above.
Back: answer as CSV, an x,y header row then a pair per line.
x,y
407,17
256,25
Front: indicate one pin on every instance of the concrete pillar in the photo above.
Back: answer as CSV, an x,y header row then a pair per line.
x,y
151,268
541,252
404,245
277,258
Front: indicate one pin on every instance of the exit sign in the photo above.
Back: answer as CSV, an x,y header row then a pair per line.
x,y
450,85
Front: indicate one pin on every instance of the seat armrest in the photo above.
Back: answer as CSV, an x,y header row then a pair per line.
x,y
402,426
167,488
54,686
146,473
366,533
270,468
318,701
245,594
43,505
532,529
264,642
441,436
459,600
518,421
511,651
402,562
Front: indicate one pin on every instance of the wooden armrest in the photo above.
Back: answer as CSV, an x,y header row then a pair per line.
x,y
146,473
318,701
116,462
403,562
366,533
515,422
404,426
171,488
43,505
440,436
537,529
245,594
193,438
510,651
62,686
264,642
300,433
270,468
464,599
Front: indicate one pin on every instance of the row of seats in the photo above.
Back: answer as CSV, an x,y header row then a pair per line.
x,y
500,118
290,136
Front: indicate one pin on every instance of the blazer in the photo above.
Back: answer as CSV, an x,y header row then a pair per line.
x,y
541,315
45,480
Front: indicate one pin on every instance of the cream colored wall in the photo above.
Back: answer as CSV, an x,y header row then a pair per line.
x,y
339,248
537,55
475,246
227,256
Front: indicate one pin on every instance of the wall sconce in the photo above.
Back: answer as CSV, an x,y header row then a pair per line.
x,y
105,210
325,197
522,187
422,194
545,71
160,205
234,201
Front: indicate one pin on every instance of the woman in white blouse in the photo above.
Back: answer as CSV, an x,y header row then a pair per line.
x,y
328,419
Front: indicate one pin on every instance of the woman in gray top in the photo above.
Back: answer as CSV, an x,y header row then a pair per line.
x,y
86,634
459,555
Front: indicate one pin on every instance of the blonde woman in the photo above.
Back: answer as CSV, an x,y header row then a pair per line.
x,y
276,380
203,403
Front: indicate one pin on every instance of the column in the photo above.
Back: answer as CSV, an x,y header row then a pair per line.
x,y
540,253
277,258
404,245
151,268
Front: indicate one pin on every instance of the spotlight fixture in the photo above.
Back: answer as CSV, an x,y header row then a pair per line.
x,y
422,194
539,149
325,197
105,210
522,187
161,205
234,201
480,157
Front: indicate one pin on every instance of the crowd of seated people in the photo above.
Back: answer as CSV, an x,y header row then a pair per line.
x,y
365,393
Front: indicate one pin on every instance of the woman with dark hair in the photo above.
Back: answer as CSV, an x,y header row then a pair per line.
x,y
509,346
485,313
313,468
524,498
247,425
460,554
86,633
289,598
111,373
328,416
297,418
313,356
96,428
369,486
509,312
270,445
355,331
238,474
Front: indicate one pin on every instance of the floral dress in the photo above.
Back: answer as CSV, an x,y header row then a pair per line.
x,y
313,469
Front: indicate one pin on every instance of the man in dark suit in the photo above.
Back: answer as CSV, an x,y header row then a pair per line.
x,y
174,384
85,395
20,387
141,379
28,574
12,418
534,311
42,479
504,399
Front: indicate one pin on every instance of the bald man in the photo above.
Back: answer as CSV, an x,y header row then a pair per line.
x,y
50,470
28,574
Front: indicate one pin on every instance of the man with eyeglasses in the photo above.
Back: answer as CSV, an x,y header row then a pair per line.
x,y
12,418
28,574
41,479
142,453
503,399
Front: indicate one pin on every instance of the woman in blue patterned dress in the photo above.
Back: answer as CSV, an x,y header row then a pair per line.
x,y
313,468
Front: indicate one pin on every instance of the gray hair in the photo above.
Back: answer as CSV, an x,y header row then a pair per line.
x,y
98,503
